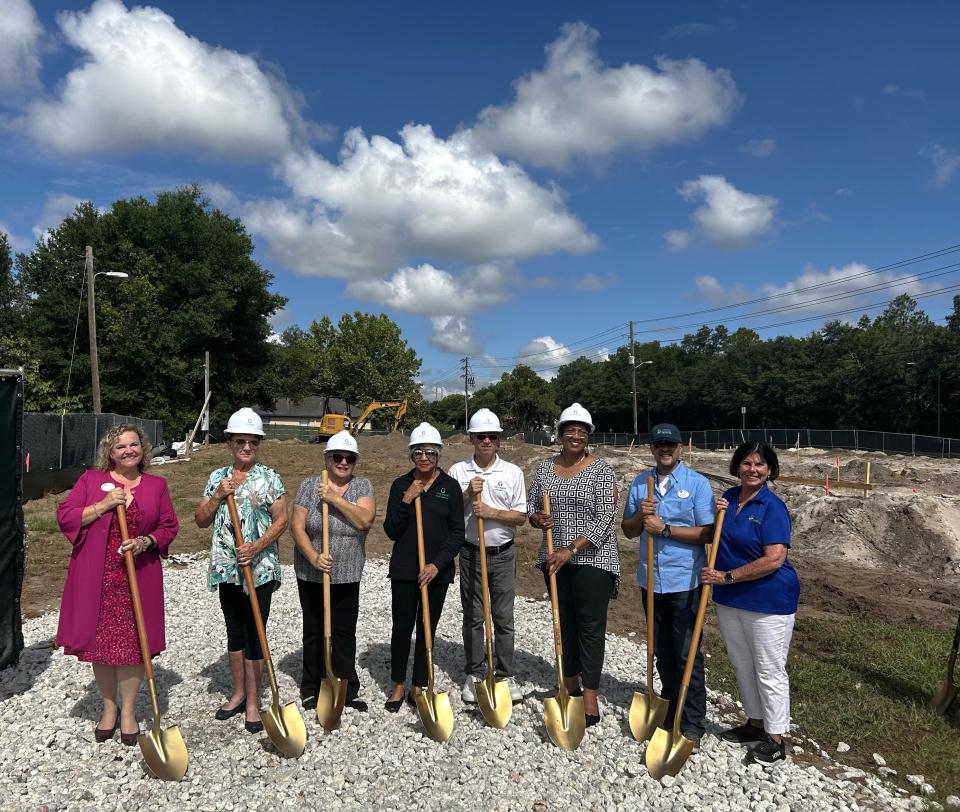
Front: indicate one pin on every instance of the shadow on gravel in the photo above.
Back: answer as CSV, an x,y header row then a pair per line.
x,y
292,665
90,705
20,678
218,676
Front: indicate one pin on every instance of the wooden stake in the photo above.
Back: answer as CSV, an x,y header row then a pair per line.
x,y
866,491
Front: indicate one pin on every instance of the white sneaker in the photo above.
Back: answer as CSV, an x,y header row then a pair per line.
x,y
515,693
468,695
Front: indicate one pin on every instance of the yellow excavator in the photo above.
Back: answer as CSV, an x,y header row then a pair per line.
x,y
330,424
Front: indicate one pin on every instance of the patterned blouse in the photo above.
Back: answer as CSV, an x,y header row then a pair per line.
x,y
347,544
582,505
259,490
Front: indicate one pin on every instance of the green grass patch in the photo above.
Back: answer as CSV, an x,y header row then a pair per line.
x,y
868,683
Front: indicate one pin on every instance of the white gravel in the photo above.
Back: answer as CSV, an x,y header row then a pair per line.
x,y
49,705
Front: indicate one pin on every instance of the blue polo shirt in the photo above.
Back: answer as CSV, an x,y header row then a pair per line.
x,y
688,503
763,520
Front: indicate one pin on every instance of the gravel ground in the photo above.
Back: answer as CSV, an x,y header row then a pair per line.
x,y
49,705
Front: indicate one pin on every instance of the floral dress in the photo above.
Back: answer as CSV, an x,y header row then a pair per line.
x,y
116,642
259,490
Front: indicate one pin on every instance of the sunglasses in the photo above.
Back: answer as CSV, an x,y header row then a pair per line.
x,y
245,443
417,453
348,458
665,444
491,437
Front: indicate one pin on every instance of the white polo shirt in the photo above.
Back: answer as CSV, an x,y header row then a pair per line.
x,y
503,488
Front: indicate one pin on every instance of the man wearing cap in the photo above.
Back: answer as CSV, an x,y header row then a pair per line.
x,y
680,520
502,505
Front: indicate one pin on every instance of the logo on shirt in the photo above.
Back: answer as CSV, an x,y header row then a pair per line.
x,y
683,494
442,493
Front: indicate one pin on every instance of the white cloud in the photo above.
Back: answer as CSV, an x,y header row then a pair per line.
x,y
56,207
729,217
20,245
593,281
386,201
576,107
895,90
430,290
452,334
545,355
145,83
760,147
19,38
945,163
710,289
677,239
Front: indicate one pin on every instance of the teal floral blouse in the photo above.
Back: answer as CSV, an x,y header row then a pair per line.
x,y
259,490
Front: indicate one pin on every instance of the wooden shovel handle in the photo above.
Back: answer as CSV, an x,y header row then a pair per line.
x,y
485,586
554,604
424,594
325,548
251,587
135,595
649,608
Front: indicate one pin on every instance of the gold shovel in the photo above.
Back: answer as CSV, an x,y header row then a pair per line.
x,y
948,690
563,715
434,708
494,699
283,723
648,710
669,750
333,690
163,751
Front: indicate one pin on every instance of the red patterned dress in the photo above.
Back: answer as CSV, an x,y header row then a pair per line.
x,y
116,641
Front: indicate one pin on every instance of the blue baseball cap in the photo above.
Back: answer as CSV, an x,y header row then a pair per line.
x,y
665,433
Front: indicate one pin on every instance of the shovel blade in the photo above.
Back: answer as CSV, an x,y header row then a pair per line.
x,y
284,725
330,702
944,697
564,719
164,753
666,754
435,714
647,712
496,706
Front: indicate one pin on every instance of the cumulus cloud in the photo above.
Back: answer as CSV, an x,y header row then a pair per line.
x,y
760,147
945,163
709,289
545,355
429,290
729,217
386,201
20,245
576,107
452,334
145,83
56,207
593,281
19,39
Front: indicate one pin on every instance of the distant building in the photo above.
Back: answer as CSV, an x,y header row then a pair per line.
x,y
307,413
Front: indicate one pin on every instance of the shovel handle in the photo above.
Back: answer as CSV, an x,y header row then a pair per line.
x,y
135,595
325,548
484,585
252,594
554,604
424,594
649,607
956,639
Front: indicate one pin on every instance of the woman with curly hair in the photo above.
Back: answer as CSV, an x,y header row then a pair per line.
x,y
96,611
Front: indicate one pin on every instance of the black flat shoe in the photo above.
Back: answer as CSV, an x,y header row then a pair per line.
x,y
592,719
309,702
357,705
129,739
253,727
393,705
223,714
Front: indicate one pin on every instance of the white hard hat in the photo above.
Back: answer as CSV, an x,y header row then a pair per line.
x,y
484,420
425,434
245,421
575,414
342,441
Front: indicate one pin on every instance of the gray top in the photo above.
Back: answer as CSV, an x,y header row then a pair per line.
x,y
347,544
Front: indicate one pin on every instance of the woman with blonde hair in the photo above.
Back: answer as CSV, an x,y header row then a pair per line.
x,y
96,612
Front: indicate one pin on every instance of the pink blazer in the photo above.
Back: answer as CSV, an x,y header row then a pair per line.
x,y
80,605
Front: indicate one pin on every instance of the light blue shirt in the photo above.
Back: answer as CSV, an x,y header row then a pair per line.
x,y
688,503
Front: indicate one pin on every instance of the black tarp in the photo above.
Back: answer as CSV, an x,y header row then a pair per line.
x,y
12,551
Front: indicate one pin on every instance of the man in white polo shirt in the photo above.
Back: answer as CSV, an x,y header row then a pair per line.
x,y
503,508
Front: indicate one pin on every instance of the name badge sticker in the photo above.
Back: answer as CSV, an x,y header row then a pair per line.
x,y
683,494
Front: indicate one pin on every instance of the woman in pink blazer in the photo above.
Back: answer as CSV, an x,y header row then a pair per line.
x,y
96,612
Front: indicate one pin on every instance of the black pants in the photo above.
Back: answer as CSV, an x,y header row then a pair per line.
x,y
238,615
406,613
674,615
583,595
344,611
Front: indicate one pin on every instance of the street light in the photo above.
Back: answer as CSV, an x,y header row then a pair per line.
x,y
633,365
92,323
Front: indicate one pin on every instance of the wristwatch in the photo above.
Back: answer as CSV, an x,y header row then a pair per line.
x,y
572,547
728,577
666,531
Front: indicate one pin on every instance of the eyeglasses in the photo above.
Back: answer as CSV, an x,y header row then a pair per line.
x,y
491,437
348,458
665,444
417,453
245,443
575,433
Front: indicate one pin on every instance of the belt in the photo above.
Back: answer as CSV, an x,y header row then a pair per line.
x,y
493,550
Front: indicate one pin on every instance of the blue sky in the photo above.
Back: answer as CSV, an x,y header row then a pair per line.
x,y
512,182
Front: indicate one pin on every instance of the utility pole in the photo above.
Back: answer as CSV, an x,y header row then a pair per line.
x,y
206,397
92,331
468,381
633,374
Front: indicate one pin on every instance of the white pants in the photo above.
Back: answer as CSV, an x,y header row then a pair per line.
x,y
757,645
